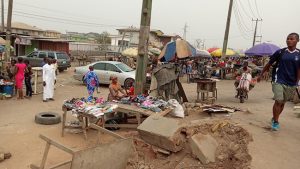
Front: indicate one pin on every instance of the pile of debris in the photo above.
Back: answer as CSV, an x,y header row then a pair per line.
x,y
210,144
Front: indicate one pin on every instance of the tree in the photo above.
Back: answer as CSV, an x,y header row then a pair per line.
x,y
104,38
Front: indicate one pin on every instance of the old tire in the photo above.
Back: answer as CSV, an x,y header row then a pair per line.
x,y
127,82
47,118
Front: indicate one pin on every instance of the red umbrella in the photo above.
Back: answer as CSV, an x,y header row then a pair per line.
x,y
210,50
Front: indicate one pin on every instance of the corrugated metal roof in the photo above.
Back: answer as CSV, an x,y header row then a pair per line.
x,y
20,25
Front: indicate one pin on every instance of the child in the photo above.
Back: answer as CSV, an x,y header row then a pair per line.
x,y
28,73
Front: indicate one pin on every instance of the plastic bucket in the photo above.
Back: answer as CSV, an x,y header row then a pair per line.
x,y
9,89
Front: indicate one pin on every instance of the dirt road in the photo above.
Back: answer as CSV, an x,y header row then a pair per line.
x,y
269,150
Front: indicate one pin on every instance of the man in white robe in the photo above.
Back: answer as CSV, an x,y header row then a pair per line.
x,y
49,80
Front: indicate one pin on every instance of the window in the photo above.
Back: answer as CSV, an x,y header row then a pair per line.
x,y
62,56
51,55
42,55
99,66
111,67
123,43
124,67
33,54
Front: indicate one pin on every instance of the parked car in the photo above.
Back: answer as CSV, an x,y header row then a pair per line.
x,y
105,69
36,59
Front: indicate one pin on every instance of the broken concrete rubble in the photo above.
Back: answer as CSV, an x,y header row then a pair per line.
x,y
204,147
162,132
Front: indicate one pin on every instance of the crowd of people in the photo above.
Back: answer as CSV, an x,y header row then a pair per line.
x,y
19,71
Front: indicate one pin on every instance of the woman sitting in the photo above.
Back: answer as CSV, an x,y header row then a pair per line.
x,y
116,92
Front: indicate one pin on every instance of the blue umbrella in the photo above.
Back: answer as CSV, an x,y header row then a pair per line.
x,y
181,48
2,48
264,49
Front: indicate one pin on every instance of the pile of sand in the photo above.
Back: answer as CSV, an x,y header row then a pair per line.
x,y
232,151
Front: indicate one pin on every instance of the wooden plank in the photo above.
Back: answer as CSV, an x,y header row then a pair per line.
x,y
60,164
296,107
56,144
96,127
130,126
64,122
33,166
165,112
133,109
42,166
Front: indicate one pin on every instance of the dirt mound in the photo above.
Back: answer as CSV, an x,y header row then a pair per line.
x,y
232,151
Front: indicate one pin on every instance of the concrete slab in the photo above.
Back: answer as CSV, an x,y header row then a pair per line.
x,y
109,156
203,147
162,132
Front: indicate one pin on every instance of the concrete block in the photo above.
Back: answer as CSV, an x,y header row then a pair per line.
x,y
162,132
203,147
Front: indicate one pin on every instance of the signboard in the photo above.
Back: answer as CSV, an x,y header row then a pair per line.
x,y
22,41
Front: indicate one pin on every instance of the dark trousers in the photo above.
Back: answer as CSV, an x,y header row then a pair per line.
x,y
28,86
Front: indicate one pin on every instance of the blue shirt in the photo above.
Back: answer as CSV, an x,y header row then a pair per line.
x,y
287,69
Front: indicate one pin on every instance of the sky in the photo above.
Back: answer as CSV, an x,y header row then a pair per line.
x,y
206,19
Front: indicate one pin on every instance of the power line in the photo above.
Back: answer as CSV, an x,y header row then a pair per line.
x,y
243,9
58,11
250,7
241,20
240,25
70,21
258,13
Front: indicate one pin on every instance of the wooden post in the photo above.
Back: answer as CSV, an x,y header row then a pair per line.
x,y
45,155
142,60
2,16
225,43
8,29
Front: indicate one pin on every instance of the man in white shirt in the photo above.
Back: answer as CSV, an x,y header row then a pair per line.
x,y
49,80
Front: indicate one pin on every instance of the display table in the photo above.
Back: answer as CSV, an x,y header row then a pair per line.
x,y
36,71
204,87
130,110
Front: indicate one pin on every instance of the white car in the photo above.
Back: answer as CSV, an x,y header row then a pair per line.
x,y
105,69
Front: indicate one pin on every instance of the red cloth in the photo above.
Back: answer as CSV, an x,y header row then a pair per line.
x,y
20,75
131,91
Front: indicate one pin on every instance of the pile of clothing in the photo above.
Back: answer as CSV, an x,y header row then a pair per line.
x,y
146,102
95,107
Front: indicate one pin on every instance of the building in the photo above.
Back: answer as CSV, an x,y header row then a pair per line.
x,y
134,34
25,38
130,38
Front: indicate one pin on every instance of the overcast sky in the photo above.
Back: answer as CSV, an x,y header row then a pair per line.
x,y
206,19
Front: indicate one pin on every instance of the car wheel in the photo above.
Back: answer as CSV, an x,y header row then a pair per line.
x,y
47,118
61,70
127,82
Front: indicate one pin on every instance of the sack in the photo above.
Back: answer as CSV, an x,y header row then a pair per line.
x,y
178,110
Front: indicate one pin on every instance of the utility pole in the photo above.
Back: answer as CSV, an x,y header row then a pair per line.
x,y
8,29
2,16
185,31
122,42
255,31
142,60
225,43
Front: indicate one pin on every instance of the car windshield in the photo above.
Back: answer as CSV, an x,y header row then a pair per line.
x,y
62,56
124,67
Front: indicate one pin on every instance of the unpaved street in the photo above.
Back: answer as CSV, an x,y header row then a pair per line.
x,y
269,150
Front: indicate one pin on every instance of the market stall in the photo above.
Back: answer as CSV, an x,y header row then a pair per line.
x,y
127,113
6,89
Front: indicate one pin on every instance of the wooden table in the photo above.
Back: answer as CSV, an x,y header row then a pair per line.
x,y
36,71
122,108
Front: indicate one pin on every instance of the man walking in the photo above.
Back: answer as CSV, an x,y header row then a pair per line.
x,y
49,80
285,77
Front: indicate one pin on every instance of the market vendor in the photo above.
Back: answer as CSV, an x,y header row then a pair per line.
x,y
116,92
